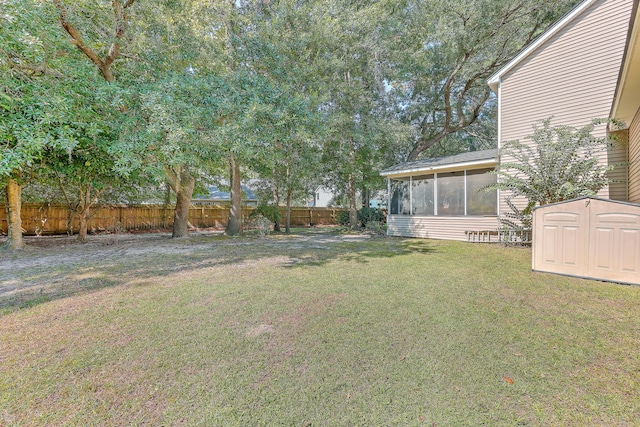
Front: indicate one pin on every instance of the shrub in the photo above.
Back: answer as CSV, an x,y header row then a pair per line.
x,y
516,225
365,215
272,213
559,163
260,223
343,218
376,227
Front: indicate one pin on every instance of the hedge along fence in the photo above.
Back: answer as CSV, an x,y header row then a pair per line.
x,y
55,219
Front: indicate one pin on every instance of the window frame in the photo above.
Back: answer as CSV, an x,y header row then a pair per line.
x,y
436,213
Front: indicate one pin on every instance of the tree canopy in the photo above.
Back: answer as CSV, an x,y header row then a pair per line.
x,y
301,94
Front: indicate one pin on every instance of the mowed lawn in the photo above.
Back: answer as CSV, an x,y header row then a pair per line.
x,y
314,329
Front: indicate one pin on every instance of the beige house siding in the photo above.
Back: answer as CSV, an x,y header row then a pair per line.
x,y
634,159
618,157
445,228
572,76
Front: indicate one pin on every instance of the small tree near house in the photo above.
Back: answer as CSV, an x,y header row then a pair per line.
x,y
557,163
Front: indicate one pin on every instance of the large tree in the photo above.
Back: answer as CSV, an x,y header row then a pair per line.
x,y
160,56
283,128
83,175
351,64
41,91
443,51
293,161
246,104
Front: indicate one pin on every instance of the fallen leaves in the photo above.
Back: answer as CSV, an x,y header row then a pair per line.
x,y
507,379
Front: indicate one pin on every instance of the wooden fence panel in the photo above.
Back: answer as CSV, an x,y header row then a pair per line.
x,y
305,217
54,219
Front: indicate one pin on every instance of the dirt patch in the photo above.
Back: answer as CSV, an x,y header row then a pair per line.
x,y
260,330
52,267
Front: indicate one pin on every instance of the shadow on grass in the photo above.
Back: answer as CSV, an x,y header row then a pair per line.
x,y
35,296
362,252
58,272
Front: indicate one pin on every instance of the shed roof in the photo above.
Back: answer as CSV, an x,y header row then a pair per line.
x,y
470,160
598,199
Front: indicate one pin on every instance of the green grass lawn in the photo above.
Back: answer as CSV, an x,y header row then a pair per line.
x,y
296,331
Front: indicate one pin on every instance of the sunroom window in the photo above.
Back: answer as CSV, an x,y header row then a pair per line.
x,y
445,194
400,197
422,192
480,201
451,193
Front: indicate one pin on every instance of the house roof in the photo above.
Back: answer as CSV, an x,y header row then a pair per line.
x,y
216,194
626,101
494,80
470,160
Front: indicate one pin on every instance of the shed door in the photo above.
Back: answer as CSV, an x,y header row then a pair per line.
x,y
614,250
591,238
561,234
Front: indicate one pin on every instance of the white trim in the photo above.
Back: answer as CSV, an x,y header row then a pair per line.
x,y
410,195
465,192
388,201
499,113
630,55
435,194
495,78
477,164
388,194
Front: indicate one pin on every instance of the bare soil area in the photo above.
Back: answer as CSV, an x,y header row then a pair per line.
x,y
56,266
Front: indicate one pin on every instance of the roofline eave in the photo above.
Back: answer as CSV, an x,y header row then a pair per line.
x,y
495,78
476,164
624,108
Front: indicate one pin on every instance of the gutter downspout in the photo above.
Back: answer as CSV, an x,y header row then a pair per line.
x,y
499,137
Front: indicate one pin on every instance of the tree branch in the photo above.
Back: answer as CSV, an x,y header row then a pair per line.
x,y
29,68
114,51
173,178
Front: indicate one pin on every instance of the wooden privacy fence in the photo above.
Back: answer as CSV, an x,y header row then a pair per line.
x,y
55,219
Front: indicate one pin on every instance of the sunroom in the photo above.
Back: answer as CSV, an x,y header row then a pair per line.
x,y
443,198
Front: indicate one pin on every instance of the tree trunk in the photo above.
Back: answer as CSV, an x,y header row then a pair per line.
x,y
366,197
83,213
167,202
13,196
88,198
181,213
234,225
288,215
82,230
353,209
183,202
276,200
182,183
